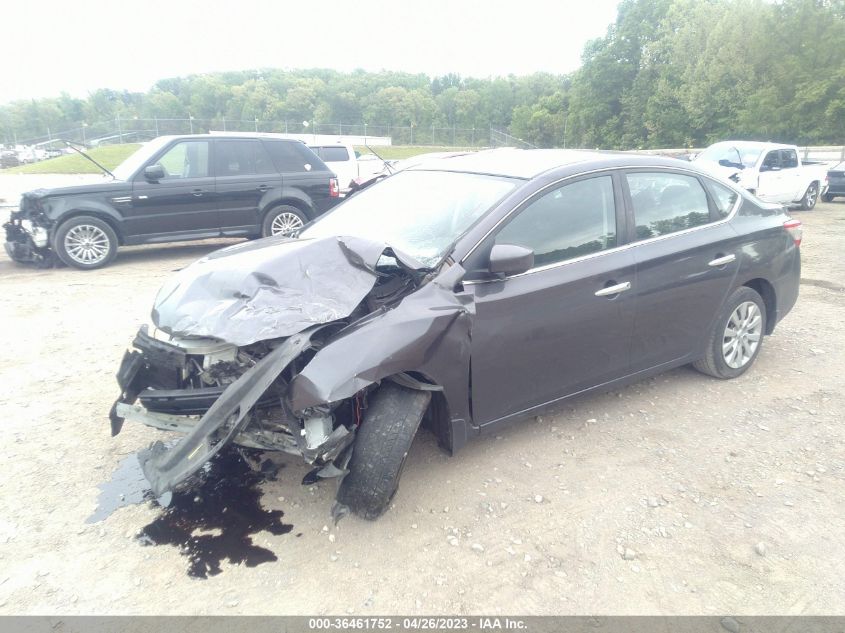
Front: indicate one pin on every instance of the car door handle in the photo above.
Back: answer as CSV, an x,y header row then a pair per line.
x,y
614,290
197,192
262,188
721,261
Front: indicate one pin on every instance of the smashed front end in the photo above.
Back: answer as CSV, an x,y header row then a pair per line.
x,y
233,333
27,232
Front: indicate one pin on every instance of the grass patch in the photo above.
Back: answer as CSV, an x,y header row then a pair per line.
x,y
108,155
399,152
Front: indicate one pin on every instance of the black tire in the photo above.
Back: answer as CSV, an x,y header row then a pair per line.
x,y
827,198
103,238
279,213
381,447
811,196
714,362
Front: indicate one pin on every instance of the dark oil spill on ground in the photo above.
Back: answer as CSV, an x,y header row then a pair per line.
x,y
215,521
209,523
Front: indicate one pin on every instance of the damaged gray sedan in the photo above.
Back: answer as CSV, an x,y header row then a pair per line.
x,y
457,295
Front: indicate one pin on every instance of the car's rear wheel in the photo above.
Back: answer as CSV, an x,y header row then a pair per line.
x,y
827,198
284,220
381,447
736,336
810,198
85,242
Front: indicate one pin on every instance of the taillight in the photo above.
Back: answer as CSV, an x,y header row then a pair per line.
x,y
795,230
334,190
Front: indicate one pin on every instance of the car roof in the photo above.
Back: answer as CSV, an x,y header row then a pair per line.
x,y
754,144
527,164
270,136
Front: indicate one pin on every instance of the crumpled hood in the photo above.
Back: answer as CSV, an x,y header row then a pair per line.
x,y
270,288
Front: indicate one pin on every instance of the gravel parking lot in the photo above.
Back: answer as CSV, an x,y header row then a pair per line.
x,y
677,495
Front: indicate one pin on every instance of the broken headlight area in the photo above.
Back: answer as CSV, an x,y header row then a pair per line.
x,y
27,242
216,393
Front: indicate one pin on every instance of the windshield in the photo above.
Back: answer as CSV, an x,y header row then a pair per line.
x,y
418,212
127,168
739,156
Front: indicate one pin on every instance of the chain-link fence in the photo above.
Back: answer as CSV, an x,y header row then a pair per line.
x,y
123,130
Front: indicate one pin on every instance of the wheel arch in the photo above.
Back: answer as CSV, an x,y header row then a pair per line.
x,y
766,290
293,198
94,213
437,417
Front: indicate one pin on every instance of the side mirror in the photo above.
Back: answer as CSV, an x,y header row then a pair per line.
x,y
510,259
154,173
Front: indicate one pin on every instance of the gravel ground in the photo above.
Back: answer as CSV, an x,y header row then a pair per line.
x,y
677,495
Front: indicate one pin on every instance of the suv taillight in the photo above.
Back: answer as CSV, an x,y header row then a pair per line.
x,y
795,230
334,190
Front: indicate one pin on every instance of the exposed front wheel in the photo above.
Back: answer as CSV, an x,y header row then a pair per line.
x,y
85,242
381,447
284,220
736,337
810,197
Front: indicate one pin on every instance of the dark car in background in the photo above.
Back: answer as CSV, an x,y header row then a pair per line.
x,y
9,158
460,294
835,183
176,188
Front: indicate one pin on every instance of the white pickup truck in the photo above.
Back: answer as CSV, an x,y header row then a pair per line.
x,y
771,171
347,164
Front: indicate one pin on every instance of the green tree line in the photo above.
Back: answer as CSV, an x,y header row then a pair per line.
x,y
668,73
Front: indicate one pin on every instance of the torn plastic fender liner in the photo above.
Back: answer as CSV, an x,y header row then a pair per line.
x,y
270,288
167,468
428,332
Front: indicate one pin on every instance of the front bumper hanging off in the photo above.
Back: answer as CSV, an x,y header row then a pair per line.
x,y
224,422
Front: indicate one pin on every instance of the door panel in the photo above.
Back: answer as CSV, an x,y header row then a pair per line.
x,y
182,203
245,175
775,184
546,333
685,267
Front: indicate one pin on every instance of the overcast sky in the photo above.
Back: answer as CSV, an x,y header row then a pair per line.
x,y
77,46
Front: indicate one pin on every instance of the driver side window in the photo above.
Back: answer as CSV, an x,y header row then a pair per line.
x,y
188,159
772,161
568,222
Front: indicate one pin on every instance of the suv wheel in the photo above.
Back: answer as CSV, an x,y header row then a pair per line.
x,y
736,337
810,197
85,242
284,220
827,198
381,447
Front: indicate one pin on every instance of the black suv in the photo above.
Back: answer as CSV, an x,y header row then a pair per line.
x,y
176,188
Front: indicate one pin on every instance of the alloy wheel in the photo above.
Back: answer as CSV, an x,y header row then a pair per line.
x,y
742,335
87,244
810,198
285,224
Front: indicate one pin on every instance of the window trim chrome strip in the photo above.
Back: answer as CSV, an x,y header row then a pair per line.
x,y
608,251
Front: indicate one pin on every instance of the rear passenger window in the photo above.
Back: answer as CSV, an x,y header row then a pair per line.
x,y
788,159
724,197
666,203
568,222
292,156
334,154
242,158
